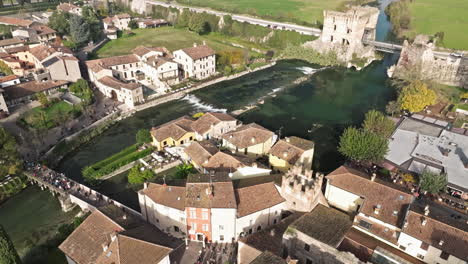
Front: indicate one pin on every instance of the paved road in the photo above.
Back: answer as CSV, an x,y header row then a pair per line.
x,y
257,21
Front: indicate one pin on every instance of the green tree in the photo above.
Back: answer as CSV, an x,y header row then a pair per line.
x,y
5,69
362,146
183,171
133,24
79,30
11,163
184,18
143,136
432,182
198,24
8,254
392,107
378,123
137,176
42,98
415,96
59,22
93,22
81,89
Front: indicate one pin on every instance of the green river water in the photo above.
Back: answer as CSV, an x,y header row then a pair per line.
x,y
317,109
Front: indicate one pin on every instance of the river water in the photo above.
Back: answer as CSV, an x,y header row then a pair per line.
x,y
317,109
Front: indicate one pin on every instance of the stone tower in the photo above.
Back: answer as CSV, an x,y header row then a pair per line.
x,y
301,189
343,33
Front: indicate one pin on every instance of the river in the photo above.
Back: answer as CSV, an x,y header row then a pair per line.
x,y
317,109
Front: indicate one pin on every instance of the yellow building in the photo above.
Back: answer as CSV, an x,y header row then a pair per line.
x,y
174,133
291,151
251,139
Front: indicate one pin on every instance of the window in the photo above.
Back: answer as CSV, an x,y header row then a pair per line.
x,y
205,227
402,247
157,220
250,231
259,228
308,261
365,224
275,221
444,255
420,256
306,247
205,215
176,228
193,214
194,226
221,227
221,237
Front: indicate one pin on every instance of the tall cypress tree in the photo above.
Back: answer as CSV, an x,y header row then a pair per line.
x,y
8,254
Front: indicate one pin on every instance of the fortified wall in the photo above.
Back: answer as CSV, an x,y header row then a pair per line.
x,y
343,33
419,60
301,189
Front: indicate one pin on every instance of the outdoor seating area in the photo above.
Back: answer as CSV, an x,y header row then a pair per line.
x,y
160,159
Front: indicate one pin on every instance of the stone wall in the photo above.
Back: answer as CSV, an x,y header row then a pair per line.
x,y
343,33
420,60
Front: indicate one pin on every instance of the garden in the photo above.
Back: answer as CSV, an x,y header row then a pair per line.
x,y
45,117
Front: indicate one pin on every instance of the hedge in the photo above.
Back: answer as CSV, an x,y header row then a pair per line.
x,y
123,153
90,174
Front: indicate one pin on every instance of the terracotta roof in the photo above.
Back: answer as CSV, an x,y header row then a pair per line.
x,y
268,258
113,61
84,245
43,29
15,21
142,50
206,195
290,149
325,224
375,193
201,151
157,61
256,198
203,124
199,52
29,88
248,135
224,162
174,129
11,41
132,250
42,51
66,7
170,196
442,224
16,49
107,20
8,78
117,84
124,15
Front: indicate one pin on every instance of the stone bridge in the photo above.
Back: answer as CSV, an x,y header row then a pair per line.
x,y
383,46
71,193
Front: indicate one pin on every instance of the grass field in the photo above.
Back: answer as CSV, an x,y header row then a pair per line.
x,y
448,16
288,10
48,117
169,37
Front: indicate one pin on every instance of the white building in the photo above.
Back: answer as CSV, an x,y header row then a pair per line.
x,y
214,209
197,62
69,8
109,235
120,22
9,81
214,125
435,234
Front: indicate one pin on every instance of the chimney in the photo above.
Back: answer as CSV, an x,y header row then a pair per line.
x,y
426,210
206,161
204,42
373,176
287,139
104,247
377,209
441,242
194,44
285,154
145,185
113,236
423,222
253,139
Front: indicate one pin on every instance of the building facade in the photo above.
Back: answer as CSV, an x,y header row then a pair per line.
x,y
197,62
